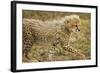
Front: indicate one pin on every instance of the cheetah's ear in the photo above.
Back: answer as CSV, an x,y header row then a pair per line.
x,y
67,19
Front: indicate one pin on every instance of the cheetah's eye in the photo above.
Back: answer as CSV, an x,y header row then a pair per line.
x,y
76,26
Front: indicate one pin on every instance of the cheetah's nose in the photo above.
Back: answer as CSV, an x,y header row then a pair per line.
x,y
77,30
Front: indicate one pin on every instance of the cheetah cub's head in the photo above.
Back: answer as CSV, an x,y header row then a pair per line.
x,y
72,23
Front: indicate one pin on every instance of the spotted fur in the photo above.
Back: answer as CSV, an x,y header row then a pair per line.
x,y
48,33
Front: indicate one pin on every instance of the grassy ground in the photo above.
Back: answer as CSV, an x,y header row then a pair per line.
x,y
80,41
